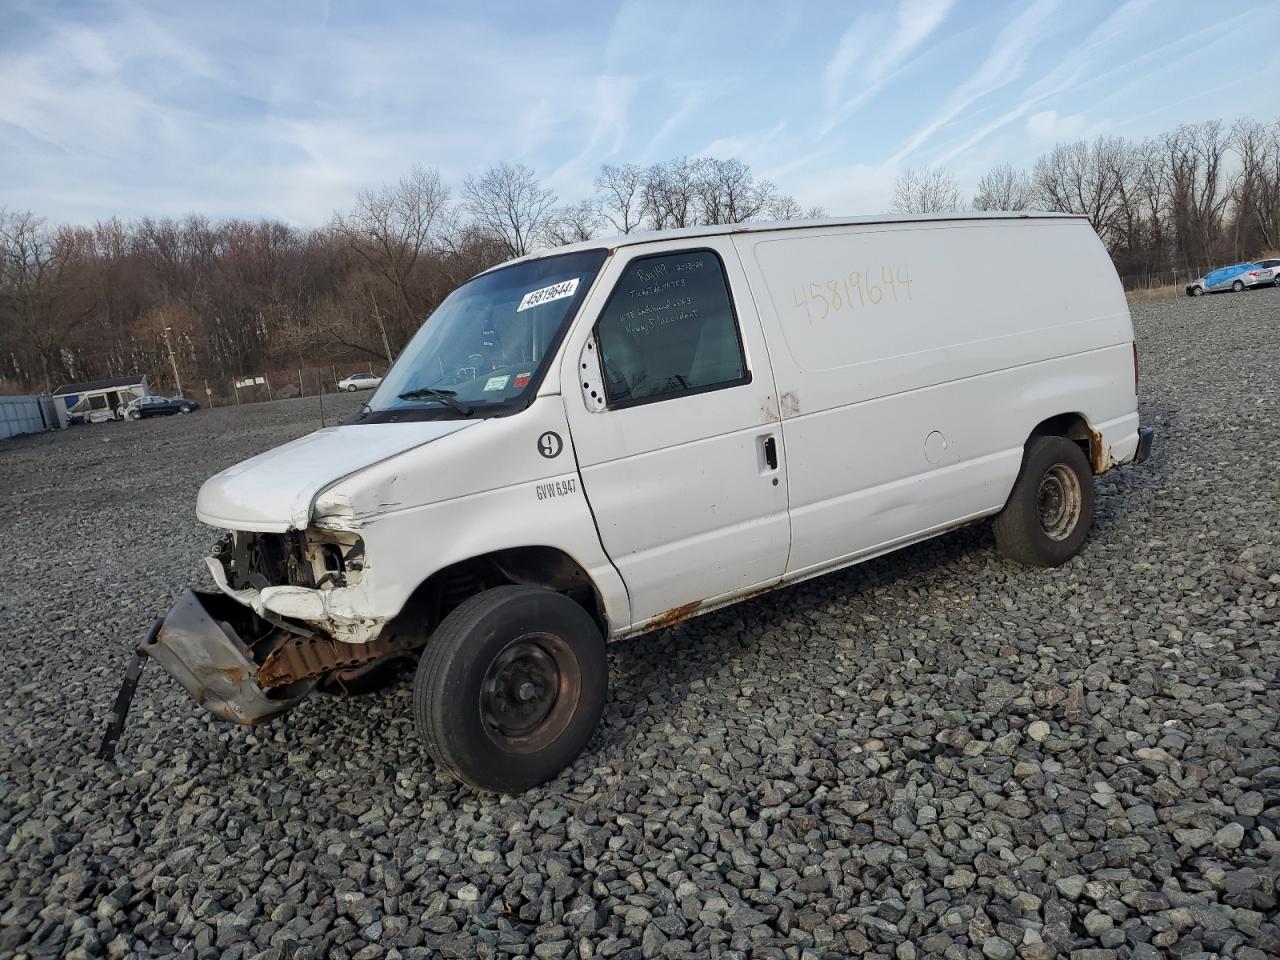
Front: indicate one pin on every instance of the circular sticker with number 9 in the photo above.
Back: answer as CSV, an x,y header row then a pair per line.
x,y
550,444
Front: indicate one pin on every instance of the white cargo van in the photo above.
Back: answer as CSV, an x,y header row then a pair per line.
x,y
612,437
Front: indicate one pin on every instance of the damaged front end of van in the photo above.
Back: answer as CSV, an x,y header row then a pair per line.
x,y
294,605
289,615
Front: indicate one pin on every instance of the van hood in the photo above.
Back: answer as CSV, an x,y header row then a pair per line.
x,y
273,492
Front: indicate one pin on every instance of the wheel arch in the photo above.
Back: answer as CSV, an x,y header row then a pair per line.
x,y
535,566
1074,426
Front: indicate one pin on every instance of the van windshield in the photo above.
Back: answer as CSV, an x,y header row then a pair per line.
x,y
485,349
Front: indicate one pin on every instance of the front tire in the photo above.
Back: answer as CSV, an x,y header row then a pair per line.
x,y
1048,515
1197,291
351,389
510,688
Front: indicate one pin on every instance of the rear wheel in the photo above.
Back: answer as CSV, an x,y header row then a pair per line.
x,y
1238,287
510,687
1050,510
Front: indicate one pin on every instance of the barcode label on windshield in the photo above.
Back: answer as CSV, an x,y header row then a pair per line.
x,y
557,291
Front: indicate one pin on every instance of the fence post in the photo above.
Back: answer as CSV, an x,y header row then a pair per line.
x,y
301,386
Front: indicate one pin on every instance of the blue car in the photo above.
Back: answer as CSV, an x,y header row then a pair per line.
x,y
1236,278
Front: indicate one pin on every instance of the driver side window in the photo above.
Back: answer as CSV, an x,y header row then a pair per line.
x,y
669,330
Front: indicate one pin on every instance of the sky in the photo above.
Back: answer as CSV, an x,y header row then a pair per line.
x,y
288,109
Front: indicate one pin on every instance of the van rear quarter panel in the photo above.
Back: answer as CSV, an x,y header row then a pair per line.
x,y
918,358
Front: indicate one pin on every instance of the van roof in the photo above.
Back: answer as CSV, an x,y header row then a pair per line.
x,y
717,230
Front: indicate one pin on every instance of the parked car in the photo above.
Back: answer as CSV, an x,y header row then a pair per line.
x,y
1271,274
1236,278
159,407
621,435
359,381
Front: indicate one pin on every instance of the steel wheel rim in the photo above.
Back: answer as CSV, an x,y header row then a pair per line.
x,y
1059,502
530,693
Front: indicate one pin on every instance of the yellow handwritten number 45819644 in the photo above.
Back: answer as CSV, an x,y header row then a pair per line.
x,y
855,290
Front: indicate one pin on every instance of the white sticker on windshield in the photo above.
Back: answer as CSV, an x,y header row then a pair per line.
x,y
557,291
495,383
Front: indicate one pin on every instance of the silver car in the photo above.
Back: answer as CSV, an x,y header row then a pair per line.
x,y
1269,275
359,381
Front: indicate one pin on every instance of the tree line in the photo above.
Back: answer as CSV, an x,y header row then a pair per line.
x,y
1191,198
240,297
243,297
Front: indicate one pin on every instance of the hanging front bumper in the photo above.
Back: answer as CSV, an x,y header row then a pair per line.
x,y
204,644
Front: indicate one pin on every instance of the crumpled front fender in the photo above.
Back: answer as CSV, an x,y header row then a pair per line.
x,y
202,645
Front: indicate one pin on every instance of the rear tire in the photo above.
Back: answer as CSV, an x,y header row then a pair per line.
x,y
1048,515
510,688
1238,287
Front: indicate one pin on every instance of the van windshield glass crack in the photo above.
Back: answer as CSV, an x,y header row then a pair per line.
x,y
486,348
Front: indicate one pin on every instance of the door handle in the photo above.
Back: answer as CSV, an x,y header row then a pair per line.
x,y
771,452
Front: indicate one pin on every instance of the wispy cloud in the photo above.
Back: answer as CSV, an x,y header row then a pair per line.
x,y
915,21
1003,64
1078,64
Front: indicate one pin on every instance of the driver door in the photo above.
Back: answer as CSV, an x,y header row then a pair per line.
x,y
682,461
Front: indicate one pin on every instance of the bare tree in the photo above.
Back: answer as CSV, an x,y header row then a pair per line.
x,y
669,194
1084,178
510,205
390,229
1004,188
573,224
33,290
926,190
1257,200
621,192
728,192
1199,188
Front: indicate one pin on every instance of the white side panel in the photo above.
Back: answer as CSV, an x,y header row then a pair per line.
x,y
920,357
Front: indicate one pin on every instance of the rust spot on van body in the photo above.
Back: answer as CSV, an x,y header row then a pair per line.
x,y
675,615
1099,453
687,611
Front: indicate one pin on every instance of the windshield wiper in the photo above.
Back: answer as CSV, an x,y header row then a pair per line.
x,y
433,393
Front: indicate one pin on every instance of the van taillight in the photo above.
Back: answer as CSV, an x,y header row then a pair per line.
x,y
1135,364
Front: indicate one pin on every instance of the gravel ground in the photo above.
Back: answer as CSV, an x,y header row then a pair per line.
x,y
935,754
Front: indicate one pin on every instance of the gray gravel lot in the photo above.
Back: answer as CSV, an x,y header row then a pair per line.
x,y
935,754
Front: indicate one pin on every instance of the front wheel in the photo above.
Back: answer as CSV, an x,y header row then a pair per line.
x,y
135,415
351,389
184,409
510,687
1050,510
1197,291
1238,287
